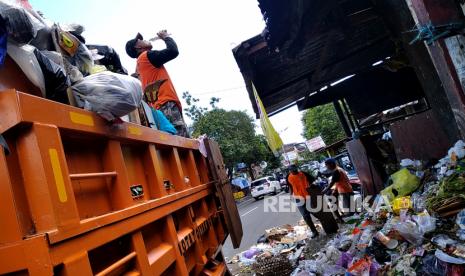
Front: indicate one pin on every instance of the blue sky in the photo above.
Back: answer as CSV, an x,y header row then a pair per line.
x,y
205,31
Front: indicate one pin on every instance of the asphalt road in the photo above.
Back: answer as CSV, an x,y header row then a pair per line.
x,y
255,221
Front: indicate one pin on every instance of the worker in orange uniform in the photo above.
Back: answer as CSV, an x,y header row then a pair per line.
x,y
340,179
307,195
158,89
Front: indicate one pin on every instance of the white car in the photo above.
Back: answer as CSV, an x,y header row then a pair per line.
x,y
264,186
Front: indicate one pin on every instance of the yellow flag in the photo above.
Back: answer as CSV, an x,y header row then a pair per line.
x,y
272,136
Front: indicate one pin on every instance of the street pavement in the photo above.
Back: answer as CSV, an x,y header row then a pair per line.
x,y
255,221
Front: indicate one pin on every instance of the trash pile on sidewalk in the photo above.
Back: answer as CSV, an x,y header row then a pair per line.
x,y
415,227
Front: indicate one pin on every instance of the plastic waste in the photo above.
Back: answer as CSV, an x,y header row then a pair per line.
x,y
426,222
365,238
461,234
56,80
404,183
333,270
26,60
442,241
447,258
110,95
162,122
249,254
83,60
430,265
109,58
345,259
460,220
458,150
418,202
410,163
410,232
21,26
404,265
360,267
386,241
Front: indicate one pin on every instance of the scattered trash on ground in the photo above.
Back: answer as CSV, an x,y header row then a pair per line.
x,y
422,234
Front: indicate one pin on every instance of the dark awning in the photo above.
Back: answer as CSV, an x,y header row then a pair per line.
x,y
371,92
309,44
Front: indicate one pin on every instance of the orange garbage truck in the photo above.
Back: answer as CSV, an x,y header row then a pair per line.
x,y
80,196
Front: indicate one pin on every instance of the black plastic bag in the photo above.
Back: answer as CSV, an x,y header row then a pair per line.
x,y
20,25
430,265
110,58
56,80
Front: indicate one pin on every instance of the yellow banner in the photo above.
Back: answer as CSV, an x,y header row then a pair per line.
x,y
272,136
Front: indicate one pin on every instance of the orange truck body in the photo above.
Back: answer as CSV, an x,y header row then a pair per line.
x,y
82,197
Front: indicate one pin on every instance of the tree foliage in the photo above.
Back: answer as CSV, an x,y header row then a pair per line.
x,y
233,130
323,120
235,133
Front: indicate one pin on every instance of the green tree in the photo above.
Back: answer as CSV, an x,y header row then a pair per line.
x,y
193,110
323,120
235,133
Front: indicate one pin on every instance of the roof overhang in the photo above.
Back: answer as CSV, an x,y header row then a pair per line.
x,y
308,45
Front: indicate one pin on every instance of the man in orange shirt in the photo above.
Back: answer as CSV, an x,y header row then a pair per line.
x,y
302,188
156,82
340,179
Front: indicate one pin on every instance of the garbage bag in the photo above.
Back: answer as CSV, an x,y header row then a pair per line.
x,y
83,59
26,60
431,265
162,122
56,80
110,58
403,183
410,231
109,94
21,26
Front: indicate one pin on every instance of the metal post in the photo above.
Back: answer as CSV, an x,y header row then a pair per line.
x,y
342,119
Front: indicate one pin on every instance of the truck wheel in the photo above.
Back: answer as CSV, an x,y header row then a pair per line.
x,y
256,198
275,192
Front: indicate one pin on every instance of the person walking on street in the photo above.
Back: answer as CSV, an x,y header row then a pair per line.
x,y
307,195
156,82
340,179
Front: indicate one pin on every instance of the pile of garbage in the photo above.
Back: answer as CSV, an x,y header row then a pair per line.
x,y
416,226
56,60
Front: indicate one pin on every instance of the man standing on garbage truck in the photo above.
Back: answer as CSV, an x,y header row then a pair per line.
x,y
156,82
307,195
340,179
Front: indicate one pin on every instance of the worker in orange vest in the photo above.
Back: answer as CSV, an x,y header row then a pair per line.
x,y
156,83
307,195
340,179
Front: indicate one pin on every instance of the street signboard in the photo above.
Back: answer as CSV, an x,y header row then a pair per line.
x,y
315,144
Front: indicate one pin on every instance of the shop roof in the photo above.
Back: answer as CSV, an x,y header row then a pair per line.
x,y
309,44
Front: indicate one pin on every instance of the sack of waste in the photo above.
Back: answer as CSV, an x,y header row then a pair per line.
x,y
403,183
108,94
21,25
56,80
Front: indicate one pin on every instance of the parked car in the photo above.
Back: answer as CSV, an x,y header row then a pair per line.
x,y
264,186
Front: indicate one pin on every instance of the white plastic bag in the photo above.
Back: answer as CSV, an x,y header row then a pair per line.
x,y
27,61
109,94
